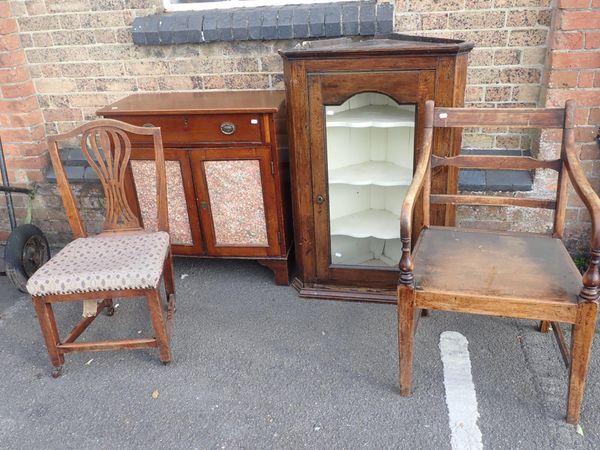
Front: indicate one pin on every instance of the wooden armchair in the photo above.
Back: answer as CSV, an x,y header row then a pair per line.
x,y
522,275
124,260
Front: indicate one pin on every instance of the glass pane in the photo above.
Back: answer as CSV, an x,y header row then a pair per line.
x,y
236,202
370,150
145,183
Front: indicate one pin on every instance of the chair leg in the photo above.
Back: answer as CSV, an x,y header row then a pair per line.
x,y
581,348
168,275
159,324
406,331
544,326
49,331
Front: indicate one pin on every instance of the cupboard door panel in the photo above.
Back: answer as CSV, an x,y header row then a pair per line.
x,y
236,202
184,226
363,151
236,194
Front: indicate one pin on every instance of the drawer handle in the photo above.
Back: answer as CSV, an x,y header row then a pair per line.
x,y
227,128
148,125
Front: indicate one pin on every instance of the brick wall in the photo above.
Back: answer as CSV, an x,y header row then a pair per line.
x,y
80,57
21,120
506,65
573,72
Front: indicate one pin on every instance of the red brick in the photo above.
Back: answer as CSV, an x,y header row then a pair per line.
x,y
23,135
581,115
562,79
22,120
589,152
8,26
597,79
10,42
18,90
19,106
585,134
592,39
595,3
594,118
5,10
573,60
10,59
578,20
566,4
25,149
13,75
567,40
33,176
32,162
582,97
586,79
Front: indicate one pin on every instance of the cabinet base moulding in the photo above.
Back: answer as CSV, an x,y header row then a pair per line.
x,y
337,292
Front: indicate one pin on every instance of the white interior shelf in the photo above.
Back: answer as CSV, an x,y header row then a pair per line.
x,y
379,173
378,116
378,223
370,153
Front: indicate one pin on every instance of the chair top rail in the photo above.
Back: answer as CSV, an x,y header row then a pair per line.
x,y
499,117
496,162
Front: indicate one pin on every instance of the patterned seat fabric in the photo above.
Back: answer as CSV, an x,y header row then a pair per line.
x,y
104,262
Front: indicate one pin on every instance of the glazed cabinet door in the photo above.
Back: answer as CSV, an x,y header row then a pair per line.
x,y
235,190
363,135
184,225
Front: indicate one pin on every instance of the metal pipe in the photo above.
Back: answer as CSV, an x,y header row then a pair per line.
x,y
9,203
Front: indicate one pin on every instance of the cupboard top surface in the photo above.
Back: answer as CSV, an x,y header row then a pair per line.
x,y
392,44
260,101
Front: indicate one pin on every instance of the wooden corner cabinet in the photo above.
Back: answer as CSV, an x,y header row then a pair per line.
x,y
227,172
356,108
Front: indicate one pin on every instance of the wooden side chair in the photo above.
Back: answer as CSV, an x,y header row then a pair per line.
x,y
124,260
522,275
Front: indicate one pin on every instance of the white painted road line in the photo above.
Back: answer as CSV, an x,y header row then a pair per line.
x,y
460,392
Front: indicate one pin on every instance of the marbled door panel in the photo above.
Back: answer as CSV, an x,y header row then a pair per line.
x,y
236,202
145,183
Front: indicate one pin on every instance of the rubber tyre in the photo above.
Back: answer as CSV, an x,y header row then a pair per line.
x,y
26,251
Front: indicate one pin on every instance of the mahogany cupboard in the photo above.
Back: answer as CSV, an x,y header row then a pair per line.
x,y
227,172
355,110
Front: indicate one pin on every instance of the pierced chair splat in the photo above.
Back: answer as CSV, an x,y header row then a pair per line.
x,y
124,260
520,275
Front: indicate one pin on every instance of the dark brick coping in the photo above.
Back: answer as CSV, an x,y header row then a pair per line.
x,y
76,167
495,180
357,18
79,171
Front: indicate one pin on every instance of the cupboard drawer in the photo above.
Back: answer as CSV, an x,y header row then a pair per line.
x,y
197,128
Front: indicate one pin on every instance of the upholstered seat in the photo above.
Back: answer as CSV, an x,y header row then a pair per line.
x,y
110,261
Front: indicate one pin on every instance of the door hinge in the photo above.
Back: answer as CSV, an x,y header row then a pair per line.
x,y
272,168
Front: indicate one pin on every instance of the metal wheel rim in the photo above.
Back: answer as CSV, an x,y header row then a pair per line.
x,y
35,254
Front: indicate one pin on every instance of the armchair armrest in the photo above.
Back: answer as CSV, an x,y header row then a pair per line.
x,y
591,277
421,179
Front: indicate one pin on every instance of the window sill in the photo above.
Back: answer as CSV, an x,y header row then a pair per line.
x,y
357,18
